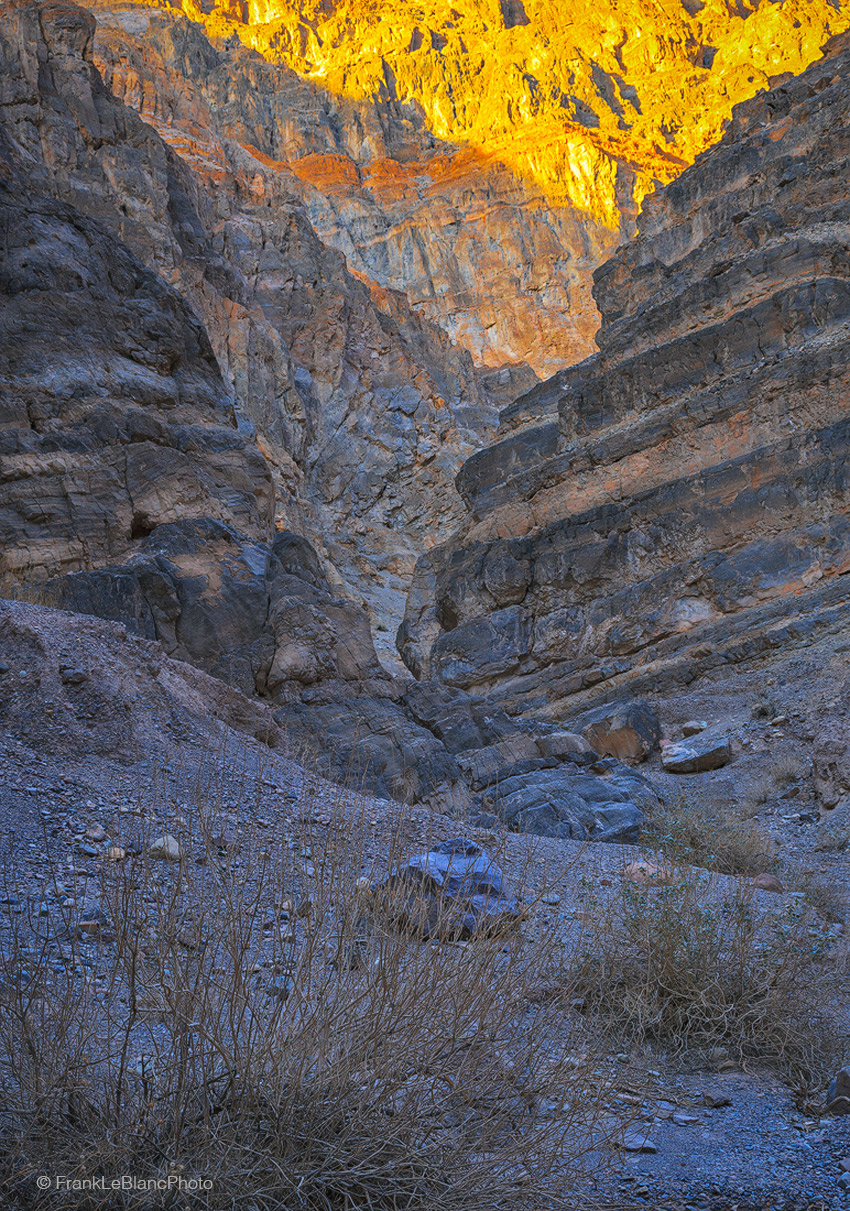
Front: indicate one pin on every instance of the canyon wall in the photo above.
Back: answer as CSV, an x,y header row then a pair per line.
x,y
129,486
375,267
481,156
363,410
133,487
679,500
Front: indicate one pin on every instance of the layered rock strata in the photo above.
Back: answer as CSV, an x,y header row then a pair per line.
x,y
363,411
482,156
310,132
679,500
132,489
128,487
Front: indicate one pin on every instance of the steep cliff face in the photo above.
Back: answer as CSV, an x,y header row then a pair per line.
x,y
680,500
129,488
479,226
481,156
363,410
132,489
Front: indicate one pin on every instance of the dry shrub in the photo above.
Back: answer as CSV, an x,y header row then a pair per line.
x,y
827,895
239,1017
721,840
787,768
699,963
833,838
783,771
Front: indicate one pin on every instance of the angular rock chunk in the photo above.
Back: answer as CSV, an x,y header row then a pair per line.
x,y
562,744
699,754
557,803
629,731
453,891
838,1093
166,848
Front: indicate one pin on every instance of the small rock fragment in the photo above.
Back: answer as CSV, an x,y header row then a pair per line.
x,y
838,1093
693,727
766,882
279,989
165,848
641,870
72,676
697,755
714,1099
638,1142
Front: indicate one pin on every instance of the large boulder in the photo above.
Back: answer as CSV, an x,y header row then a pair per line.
x,y
629,731
565,802
697,754
453,891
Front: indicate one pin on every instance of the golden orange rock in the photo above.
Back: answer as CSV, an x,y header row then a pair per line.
x,y
570,95
481,156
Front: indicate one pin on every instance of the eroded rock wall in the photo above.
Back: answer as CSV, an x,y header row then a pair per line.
x,y
363,411
133,488
482,156
129,487
680,499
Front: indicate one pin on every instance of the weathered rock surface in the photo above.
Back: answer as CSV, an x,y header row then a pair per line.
x,y
831,764
407,741
455,890
129,488
480,156
559,803
628,730
696,755
362,410
679,501
472,168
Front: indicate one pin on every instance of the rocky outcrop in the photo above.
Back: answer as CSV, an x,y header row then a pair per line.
x,y
678,501
362,410
481,156
336,230
133,488
129,488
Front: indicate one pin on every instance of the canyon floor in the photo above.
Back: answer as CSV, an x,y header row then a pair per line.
x,y
744,1137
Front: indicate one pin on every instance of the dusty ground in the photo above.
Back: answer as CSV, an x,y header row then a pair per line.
x,y
120,747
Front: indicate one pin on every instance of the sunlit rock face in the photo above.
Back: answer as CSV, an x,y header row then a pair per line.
x,y
481,156
679,501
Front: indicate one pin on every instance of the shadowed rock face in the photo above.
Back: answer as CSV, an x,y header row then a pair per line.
x,y
680,499
363,411
132,489
129,489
